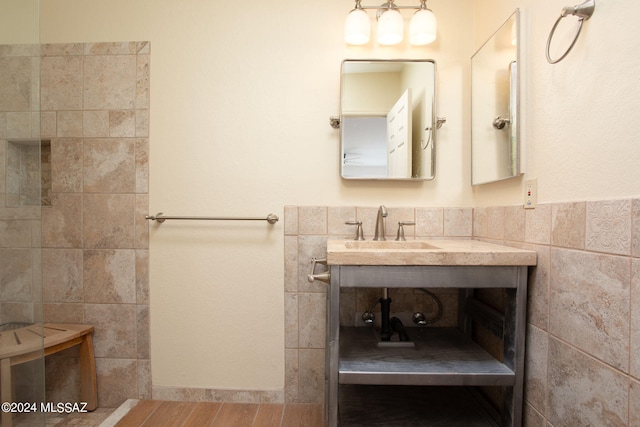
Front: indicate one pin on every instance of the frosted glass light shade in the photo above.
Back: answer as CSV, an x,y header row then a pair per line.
x,y
357,27
390,28
422,28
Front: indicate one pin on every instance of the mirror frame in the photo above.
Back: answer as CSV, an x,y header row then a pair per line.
x,y
513,106
433,127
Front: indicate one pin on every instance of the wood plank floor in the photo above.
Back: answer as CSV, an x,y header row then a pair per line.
x,y
156,413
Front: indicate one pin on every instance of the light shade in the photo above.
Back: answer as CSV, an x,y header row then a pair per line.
x,y
423,27
357,27
390,27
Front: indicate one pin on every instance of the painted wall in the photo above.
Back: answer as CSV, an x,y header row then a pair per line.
x,y
240,100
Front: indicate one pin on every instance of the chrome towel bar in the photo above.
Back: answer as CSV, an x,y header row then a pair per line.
x,y
160,217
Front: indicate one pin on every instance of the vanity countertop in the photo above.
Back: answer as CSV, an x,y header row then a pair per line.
x,y
426,252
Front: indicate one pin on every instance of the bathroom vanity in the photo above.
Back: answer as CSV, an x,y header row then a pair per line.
x,y
432,380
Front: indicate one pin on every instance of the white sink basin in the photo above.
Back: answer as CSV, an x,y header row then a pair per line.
x,y
425,252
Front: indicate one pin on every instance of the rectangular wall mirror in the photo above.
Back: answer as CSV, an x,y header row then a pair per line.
x,y
388,119
495,144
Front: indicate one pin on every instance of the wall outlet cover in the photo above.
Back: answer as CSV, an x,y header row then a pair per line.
x,y
530,193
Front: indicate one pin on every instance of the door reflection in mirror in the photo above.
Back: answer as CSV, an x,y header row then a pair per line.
x,y
388,119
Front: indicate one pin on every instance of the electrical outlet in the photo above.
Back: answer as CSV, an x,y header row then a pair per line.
x,y
530,193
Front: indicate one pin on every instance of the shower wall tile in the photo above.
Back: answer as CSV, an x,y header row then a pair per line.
x,y
109,82
589,303
15,83
108,221
122,123
634,403
94,101
16,271
15,233
62,224
63,281
609,226
66,161
142,165
61,83
117,381
584,391
95,124
109,165
69,124
115,329
110,276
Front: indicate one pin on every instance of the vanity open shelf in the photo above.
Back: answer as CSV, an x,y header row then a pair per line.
x,y
442,365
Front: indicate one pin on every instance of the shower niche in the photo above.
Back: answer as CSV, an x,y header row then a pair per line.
x,y
28,173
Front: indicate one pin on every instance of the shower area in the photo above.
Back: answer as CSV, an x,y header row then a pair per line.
x,y
24,193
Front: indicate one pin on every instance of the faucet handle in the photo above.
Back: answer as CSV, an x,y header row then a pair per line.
x,y
359,235
401,224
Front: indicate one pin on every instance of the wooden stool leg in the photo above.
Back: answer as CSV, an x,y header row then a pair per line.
x,y
5,390
88,385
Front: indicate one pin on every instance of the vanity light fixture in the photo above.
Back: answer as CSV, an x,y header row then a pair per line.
x,y
390,29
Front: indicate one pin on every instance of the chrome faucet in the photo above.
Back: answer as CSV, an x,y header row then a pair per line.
x,y
382,214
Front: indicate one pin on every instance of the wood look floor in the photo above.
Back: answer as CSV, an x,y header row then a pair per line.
x,y
156,413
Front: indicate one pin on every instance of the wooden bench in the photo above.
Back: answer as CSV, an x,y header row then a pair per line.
x,y
25,344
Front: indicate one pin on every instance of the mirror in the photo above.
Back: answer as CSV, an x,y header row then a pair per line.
x,y
495,145
388,119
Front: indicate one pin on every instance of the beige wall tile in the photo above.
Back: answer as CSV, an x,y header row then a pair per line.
x,y
480,223
634,403
3,126
429,222
15,233
537,346
15,83
311,373
117,381
290,263
115,329
291,326
609,226
538,224
61,83
18,125
635,228
495,223
634,361
589,303
48,124
141,224
311,247
144,379
64,313
458,222
291,375
110,48
396,215
142,277
122,123
61,49
514,223
66,165
311,320
312,220
95,123
109,276
142,165
108,221
290,220
142,344
16,272
584,391
142,123
63,279
62,224
568,224
337,216
109,82
142,80
109,166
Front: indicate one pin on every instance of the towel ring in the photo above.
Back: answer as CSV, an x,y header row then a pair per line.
x,y
583,11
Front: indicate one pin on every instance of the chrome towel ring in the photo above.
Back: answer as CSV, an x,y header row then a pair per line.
x,y
583,11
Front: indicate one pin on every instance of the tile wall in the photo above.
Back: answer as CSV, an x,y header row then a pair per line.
x,y
582,365
94,101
